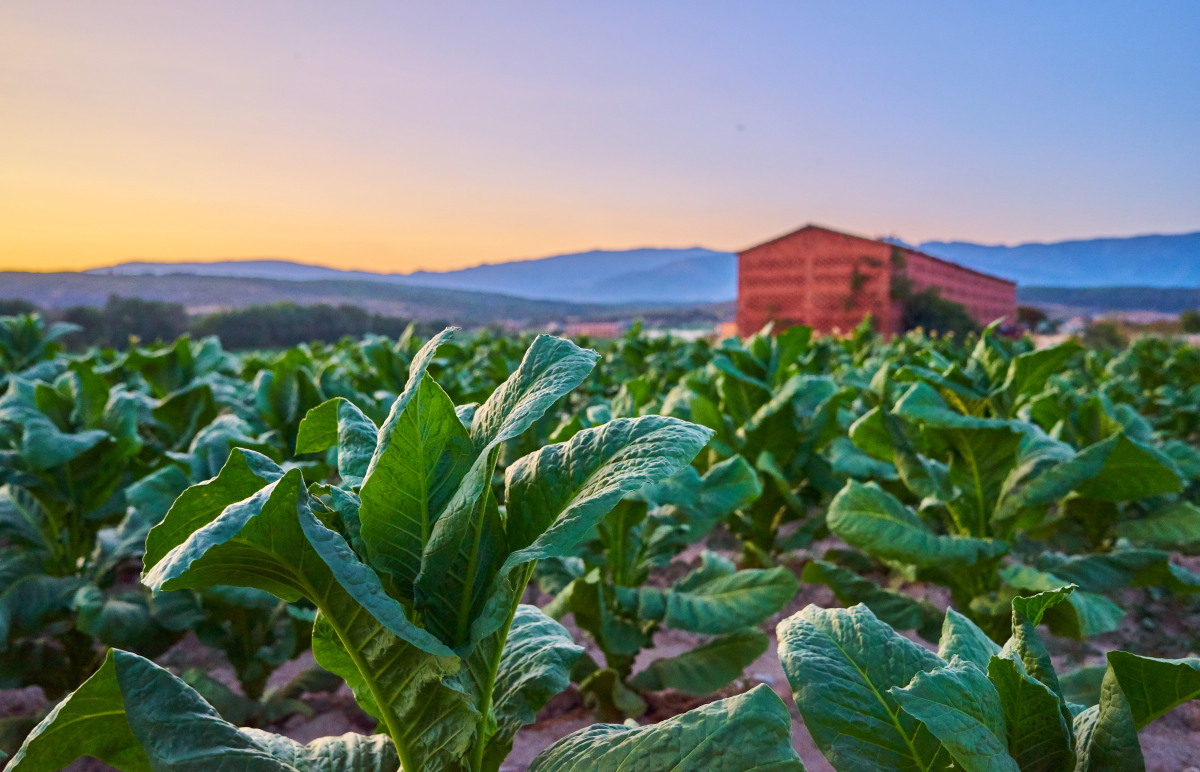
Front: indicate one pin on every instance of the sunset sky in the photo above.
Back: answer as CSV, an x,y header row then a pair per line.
x,y
394,136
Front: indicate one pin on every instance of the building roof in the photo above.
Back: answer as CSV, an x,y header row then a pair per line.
x,y
811,227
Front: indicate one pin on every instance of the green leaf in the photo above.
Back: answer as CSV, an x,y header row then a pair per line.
x,y
1105,735
869,518
1046,471
1110,571
705,669
424,459
871,435
89,722
728,486
959,706
244,474
893,608
1039,736
1026,646
467,542
752,732
724,604
136,716
1132,470
962,638
535,665
1028,372
842,665
338,422
1173,527
1083,615
1154,686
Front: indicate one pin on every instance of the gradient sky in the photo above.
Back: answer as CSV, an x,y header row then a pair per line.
x,y
394,136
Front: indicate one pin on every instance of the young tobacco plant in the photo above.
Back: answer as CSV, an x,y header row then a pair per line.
x,y
610,599
417,578
874,701
763,406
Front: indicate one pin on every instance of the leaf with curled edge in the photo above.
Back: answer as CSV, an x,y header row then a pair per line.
x,y
1039,734
750,732
339,422
842,664
244,474
1106,735
961,707
964,639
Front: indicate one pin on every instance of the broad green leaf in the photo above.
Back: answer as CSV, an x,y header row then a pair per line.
x,y
1028,372
1025,644
722,605
138,717
89,722
1131,470
962,638
749,732
959,705
712,566
728,486
1106,736
535,665
1083,615
870,434
153,496
421,465
338,422
244,474
1046,471
869,518
842,664
558,494
705,669
1174,527
1154,686
1039,736
467,542
1110,571
893,608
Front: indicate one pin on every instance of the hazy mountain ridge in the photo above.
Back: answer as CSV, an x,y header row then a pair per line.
x,y
697,275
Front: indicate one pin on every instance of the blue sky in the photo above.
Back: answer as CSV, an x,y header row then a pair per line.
x,y
394,136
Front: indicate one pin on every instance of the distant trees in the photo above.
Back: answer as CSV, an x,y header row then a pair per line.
x,y
928,310
286,324
1189,320
281,325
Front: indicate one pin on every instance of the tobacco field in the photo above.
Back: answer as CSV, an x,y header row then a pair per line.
x,y
476,553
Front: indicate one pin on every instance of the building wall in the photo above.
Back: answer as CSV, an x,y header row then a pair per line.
x,y
829,280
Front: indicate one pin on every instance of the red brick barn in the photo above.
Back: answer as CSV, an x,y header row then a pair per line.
x,y
826,279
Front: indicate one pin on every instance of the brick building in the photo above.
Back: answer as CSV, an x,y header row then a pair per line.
x,y
826,279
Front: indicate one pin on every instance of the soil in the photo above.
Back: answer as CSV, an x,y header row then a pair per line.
x,y
1159,624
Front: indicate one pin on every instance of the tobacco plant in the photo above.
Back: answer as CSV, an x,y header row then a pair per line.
x,y
874,701
416,574
763,406
611,599
979,483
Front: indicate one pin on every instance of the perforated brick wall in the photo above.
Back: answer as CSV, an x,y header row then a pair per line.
x,y
829,280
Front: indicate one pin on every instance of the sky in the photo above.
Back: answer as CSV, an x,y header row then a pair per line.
x,y
393,136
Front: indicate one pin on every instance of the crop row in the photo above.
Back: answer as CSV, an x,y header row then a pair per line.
x,y
387,503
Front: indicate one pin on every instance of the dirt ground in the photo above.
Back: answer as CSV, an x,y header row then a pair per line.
x,y
1158,625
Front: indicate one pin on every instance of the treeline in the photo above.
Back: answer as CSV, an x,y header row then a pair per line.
x,y
279,325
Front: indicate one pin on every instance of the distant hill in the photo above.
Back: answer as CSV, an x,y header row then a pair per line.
x,y
202,294
1096,300
1137,261
630,276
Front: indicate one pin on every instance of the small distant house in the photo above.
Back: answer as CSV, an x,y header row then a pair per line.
x,y
829,280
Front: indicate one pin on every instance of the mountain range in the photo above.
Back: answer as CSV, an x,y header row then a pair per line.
x,y
696,275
